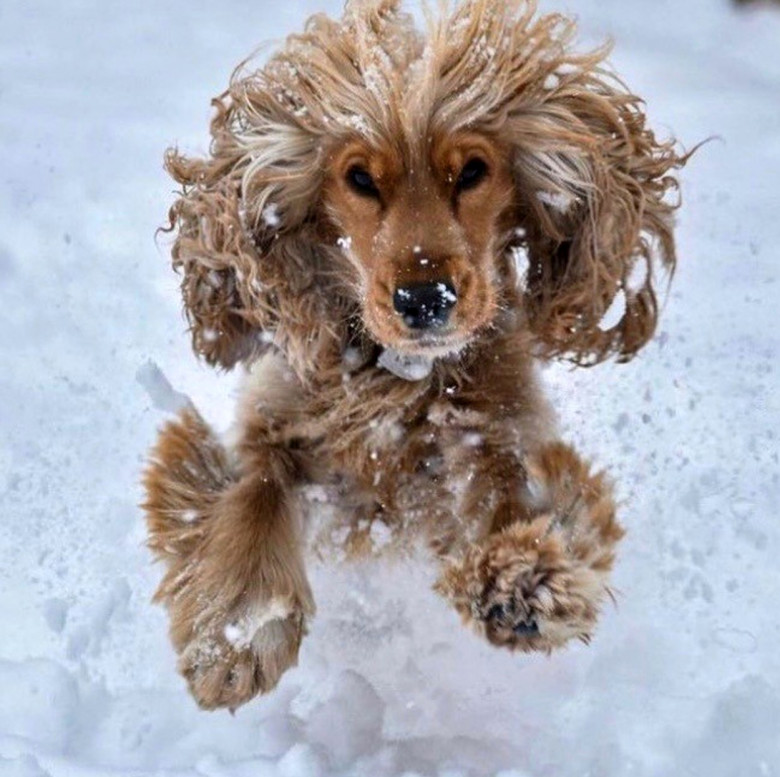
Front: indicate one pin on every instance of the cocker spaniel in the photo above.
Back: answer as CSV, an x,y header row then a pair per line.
x,y
391,227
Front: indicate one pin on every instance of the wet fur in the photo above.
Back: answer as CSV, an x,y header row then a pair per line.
x,y
465,460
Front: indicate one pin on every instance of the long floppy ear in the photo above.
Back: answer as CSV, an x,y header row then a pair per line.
x,y
243,246
209,238
246,219
594,188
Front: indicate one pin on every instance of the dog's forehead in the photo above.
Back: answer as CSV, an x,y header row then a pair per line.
x,y
438,80
377,73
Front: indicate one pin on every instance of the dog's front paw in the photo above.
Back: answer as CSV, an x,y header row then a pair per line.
x,y
235,635
529,587
232,659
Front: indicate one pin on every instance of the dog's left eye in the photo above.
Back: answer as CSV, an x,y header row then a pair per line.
x,y
362,182
472,174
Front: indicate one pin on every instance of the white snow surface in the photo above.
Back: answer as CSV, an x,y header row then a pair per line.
x,y
682,678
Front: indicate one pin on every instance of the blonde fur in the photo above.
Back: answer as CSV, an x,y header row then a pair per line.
x,y
286,269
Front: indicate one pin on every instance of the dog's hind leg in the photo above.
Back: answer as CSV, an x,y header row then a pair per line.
x,y
235,586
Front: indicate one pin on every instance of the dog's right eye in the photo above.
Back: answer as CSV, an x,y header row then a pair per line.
x,y
362,182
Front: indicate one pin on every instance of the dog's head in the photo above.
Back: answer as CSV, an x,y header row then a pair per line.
x,y
370,170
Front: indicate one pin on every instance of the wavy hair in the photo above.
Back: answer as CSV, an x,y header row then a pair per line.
x,y
595,188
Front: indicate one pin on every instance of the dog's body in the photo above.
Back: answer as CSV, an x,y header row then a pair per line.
x,y
351,239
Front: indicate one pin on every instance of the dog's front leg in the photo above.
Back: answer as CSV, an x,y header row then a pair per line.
x,y
539,576
235,587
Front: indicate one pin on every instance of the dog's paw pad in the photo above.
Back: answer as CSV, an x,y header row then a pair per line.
x,y
507,617
526,628
511,618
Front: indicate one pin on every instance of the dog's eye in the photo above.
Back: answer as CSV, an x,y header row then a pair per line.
x,y
362,182
472,174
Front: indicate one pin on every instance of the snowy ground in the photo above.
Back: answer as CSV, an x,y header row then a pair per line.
x,y
682,680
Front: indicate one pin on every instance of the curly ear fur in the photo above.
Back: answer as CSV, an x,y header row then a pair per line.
x,y
243,245
592,179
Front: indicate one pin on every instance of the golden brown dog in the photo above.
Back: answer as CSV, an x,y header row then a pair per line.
x,y
355,238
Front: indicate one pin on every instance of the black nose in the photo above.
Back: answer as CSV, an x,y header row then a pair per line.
x,y
425,305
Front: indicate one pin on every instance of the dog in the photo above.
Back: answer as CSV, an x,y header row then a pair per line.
x,y
393,226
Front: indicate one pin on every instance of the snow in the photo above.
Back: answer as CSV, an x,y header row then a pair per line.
x,y
615,312
352,358
270,215
520,263
246,629
472,440
189,516
683,676
381,534
445,292
559,201
163,395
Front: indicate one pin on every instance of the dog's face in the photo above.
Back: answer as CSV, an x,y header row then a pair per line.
x,y
489,121
422,229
